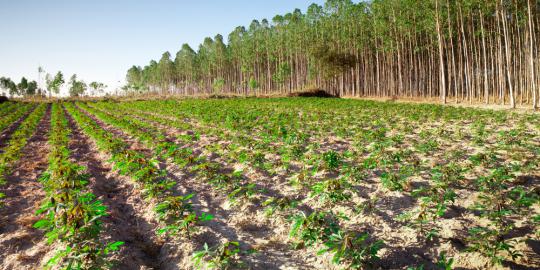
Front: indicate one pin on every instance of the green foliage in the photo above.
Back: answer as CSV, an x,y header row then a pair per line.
x,y
12,152
9,85
332,190
253,84
242,191
280,204
497,202
225,256
352,249
77,88
396,180
445,263
491,243
14,115
312,228
177,212
71,214
97,87
220,139
54,83
218,85
332,160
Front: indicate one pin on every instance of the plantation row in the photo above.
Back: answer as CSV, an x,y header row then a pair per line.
x,y
12,152
399,148
301,183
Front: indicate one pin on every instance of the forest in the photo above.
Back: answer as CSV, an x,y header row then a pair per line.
x,y
463,51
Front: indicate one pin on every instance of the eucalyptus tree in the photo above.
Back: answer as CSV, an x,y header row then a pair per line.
x,y
76,87
151,76
8,85
22,86
237,52
220,57
186,68
31,88
205,57
532,52
54,83
40,70
97,87
459,51
134,78
165,71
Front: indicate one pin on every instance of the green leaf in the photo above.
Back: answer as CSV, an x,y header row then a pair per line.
x,y
41,224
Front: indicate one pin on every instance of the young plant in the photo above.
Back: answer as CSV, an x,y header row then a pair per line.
x,y
72,215
496,203
177,212
242,192
444,262
491,243
434,201
332,160
316,227
352,249
332,190
368,207
280,204
225,256
397,180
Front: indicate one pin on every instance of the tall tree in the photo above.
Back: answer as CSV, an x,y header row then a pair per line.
x,y
77,87
22,86
54,83
31,88
8,85
97,87
40,71
463,50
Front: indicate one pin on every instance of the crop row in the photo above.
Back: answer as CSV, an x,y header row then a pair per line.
x,y
71,213
502,156
164,149
175,212
13,116
12,152
305,227
7,107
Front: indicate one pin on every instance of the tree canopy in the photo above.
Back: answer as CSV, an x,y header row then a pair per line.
x,y
76,87
54,83
23,88
464,50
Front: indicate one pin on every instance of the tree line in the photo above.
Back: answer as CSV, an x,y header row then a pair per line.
x,y
53,85
455,50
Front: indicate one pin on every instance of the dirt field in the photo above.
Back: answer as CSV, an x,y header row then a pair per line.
x,y
275,183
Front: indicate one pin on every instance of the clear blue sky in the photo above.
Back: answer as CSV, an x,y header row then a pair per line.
x,y
100,39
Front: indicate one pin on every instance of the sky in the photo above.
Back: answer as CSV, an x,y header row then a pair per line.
x,y
100,40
